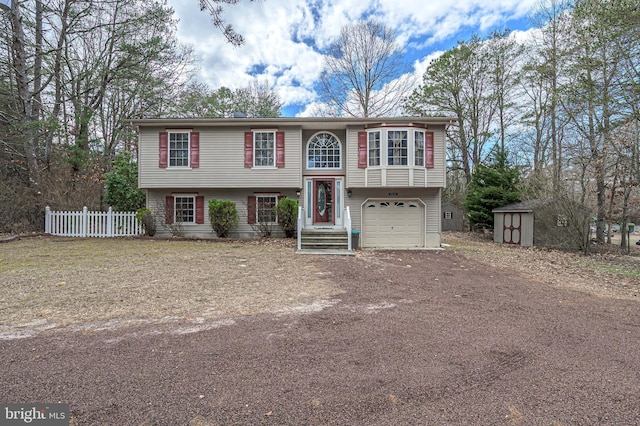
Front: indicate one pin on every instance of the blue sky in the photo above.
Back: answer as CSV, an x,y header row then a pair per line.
x,y
285,38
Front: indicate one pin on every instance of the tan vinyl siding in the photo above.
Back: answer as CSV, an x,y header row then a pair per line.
x,y
156,202
221,162
374,177
419,176
397,177
437,176
355,176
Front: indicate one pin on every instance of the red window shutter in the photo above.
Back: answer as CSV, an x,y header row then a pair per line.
x,y
362,150
164,150
428,150
168,210
279,149
200,209
195,150
251,209
248,149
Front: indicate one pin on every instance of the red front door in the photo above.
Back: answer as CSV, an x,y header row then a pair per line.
x,y
323,201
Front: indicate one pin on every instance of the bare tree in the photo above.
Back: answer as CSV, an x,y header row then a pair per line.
x,y
214,8
364,72
460,84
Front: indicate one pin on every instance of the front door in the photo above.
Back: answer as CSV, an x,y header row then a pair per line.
x,y
323,190
512,228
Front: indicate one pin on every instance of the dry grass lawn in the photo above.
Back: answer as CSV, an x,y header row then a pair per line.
x,y
52,282
93,284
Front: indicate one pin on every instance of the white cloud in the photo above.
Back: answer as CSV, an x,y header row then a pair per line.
x,y
283,38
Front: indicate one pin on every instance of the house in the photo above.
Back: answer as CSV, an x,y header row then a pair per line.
x,y
550,223
380,176
453,217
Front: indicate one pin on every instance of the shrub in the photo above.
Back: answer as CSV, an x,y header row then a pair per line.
x,y
122,184
223,216
288,216
147,219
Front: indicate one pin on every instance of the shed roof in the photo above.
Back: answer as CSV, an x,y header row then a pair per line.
x,y
523,206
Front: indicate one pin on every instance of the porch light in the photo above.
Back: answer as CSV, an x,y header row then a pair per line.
x,y
349,193
298,191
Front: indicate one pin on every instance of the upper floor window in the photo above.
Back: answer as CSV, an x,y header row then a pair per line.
x,y
264,148
324,151
397,148
374,148
419,148
178,149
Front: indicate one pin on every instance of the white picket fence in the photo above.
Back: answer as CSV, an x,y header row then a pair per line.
x,y
92,224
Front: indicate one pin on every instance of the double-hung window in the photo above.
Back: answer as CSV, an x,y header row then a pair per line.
x,y
418,141
264,147
266,208
184,209
374,149
178,149
397,148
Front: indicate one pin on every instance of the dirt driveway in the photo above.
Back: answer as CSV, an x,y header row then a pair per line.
x,y
469,335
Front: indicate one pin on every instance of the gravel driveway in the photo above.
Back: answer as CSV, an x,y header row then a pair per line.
x,y
395,338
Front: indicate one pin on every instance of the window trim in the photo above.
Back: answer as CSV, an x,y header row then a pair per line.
x,y
379,149
173,132
337,139
415,148
273,132
405,148
175,204
411,147
275,196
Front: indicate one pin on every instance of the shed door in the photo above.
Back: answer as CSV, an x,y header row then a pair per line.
x,y
393,224
512,228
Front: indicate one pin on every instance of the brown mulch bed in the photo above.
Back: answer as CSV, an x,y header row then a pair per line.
x,y
475,334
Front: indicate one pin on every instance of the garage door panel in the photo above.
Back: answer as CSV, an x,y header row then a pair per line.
x,y
393,224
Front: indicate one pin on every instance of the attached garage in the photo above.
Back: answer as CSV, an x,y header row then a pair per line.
x,y
393,223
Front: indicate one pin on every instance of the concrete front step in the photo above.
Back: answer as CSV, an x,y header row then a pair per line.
x,y
320,239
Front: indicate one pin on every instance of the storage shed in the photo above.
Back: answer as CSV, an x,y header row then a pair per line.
x,y
453,217
513,223
561,224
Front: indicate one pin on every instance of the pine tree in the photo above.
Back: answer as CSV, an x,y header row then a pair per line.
x,y
492,185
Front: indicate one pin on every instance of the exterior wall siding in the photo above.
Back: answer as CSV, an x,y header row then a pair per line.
x,y
526,239
498,225
221,162
156,202
221,173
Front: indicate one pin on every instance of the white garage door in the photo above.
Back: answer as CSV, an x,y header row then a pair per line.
x,y
393,224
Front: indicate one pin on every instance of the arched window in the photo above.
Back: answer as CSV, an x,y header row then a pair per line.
x,y
323,152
